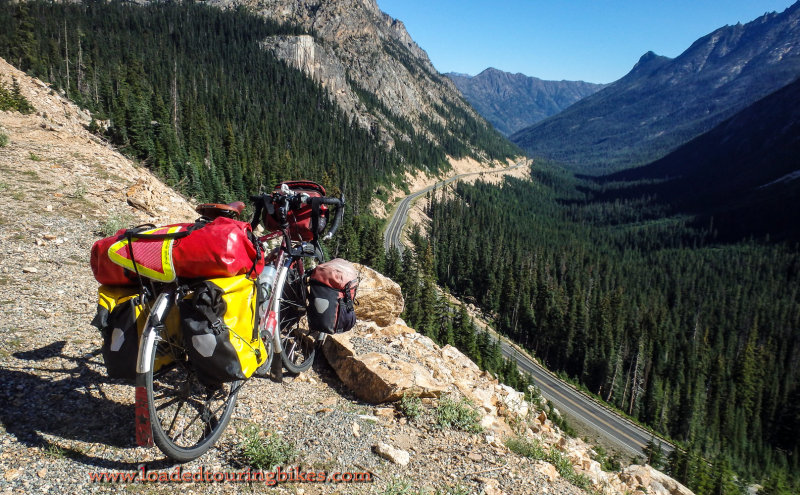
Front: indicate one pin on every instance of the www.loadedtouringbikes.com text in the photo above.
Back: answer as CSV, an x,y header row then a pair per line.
x,y
202,475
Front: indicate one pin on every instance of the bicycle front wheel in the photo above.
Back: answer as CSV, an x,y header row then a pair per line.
x,y
187,416
299,349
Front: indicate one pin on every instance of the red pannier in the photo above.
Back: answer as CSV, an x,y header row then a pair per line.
x,y
221,248
301,220
331,294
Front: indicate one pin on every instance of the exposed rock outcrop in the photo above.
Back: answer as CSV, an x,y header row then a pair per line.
x,y
356,48
379,298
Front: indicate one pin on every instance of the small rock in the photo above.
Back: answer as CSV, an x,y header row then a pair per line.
x,y
385,412
42,472
29,269
474,456
49,237
542,417
305,378
356,430
392,454
49,208
12,474
492,490
547,470
324,410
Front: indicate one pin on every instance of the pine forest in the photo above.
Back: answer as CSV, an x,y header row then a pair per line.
x,y
690,332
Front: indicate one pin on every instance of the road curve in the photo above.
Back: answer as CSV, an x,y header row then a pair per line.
x,y
570,401
392,236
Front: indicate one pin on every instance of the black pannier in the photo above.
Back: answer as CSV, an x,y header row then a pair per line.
x,y
331,296
121,316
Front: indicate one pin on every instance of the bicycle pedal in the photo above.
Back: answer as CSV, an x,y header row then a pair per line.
x,y
318,337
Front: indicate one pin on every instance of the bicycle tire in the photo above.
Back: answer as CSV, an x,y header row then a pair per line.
x,y
299,349
174,389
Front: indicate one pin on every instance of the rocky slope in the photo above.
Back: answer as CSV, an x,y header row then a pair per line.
x,y
662,103
512,102
371,66
61,418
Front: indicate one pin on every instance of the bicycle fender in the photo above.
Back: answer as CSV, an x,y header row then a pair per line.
x,y
143,426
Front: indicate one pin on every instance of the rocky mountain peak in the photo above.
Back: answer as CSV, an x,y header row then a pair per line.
x,y
663,102
514,101
356,48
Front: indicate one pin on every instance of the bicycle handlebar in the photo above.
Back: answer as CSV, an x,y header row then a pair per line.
x,y
337,219
296,200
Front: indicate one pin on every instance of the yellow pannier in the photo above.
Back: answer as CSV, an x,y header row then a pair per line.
x,y
220,329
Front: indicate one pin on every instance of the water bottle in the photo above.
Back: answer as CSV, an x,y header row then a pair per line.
x,y
264,287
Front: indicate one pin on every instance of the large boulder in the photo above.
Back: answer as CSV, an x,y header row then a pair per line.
x,y
379,298
376,367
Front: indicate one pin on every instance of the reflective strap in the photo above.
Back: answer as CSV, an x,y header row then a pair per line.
x,y
164,273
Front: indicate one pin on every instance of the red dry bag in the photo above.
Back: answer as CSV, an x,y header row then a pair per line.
x,y
221,248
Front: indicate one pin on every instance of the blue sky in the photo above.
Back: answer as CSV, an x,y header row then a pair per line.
x,y
596,41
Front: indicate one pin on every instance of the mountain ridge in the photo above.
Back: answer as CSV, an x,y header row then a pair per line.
x,y
353,48
511,102
741,173
662,102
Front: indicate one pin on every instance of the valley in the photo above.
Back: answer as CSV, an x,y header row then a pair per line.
x,y
639,238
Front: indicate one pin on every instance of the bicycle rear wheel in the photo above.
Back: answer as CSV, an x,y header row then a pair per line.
x,y
187,416
299,349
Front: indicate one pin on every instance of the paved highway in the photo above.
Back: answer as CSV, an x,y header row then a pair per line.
x,y
571,402
580,407
392,236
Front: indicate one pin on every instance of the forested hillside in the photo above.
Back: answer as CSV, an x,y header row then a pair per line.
x,y
740,178
187,89
699,340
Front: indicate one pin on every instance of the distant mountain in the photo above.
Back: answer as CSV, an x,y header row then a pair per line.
x,y
511,102
662,103
745,173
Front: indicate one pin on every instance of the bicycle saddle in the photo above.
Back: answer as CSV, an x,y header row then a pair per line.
x,y
214,210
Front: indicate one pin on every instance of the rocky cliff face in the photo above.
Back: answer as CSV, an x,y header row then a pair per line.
x,y
360,53
511,102
662,103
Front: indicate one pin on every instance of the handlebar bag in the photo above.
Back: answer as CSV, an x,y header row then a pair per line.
x,y
220,329
221,248
331,296
301,220
121,317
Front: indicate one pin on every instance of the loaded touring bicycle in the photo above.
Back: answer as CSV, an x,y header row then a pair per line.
x,y
191,311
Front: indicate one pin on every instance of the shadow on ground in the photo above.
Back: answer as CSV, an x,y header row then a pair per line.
x,y
71,406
